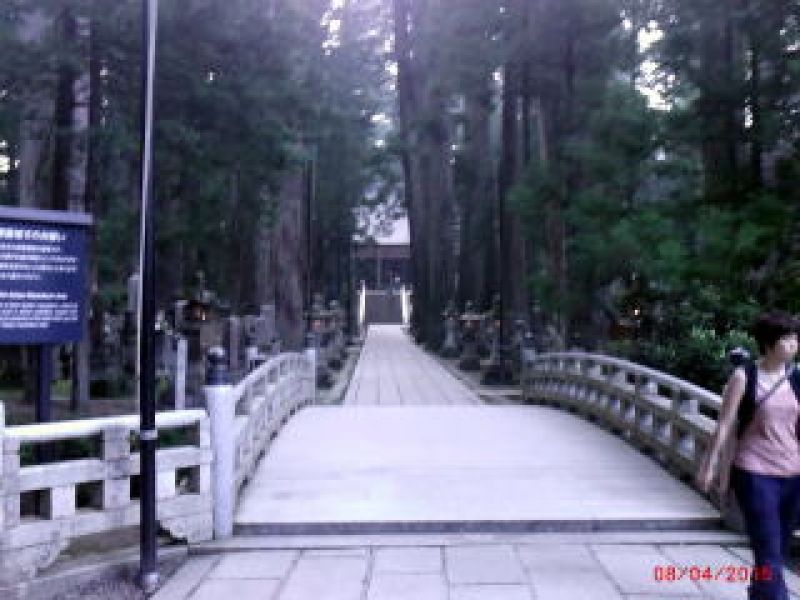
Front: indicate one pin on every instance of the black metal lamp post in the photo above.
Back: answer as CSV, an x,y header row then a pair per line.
x,y
148,569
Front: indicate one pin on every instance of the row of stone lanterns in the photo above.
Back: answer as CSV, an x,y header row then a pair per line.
x,y
328,337
472,336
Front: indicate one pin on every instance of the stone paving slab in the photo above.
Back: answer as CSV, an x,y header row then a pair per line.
x,y
272,564
408,560
184,582
496,572
330,577
579,584
496,592
484,565
403,586
566,571
240,589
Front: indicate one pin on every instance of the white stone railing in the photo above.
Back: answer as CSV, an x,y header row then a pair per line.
x,y
44,506
244,420
405,295
362,307
665,416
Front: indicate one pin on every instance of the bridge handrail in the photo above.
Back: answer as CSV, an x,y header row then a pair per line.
x,y
77,497
246,417
84,428
655,411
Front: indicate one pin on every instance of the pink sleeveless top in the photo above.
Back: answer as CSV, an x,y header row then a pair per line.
x,y
769,445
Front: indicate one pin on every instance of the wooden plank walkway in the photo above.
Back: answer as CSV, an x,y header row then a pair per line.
x,y
392,370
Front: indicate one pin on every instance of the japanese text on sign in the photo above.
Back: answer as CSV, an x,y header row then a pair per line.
x,y
41,282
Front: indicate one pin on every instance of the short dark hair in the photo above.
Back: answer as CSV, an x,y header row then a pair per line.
x,y
771,326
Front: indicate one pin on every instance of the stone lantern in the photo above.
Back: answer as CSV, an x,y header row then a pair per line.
x,y
450,345
337,347
202,327
320,323
470,323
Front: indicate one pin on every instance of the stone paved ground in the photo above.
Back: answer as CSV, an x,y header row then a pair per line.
x,y
525,569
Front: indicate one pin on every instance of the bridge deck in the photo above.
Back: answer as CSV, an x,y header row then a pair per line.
x,y
378,470
357,468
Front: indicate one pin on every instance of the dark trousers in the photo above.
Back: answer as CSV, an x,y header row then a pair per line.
x,y
770,507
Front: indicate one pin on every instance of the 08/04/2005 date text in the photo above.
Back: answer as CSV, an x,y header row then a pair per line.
x,y
728,573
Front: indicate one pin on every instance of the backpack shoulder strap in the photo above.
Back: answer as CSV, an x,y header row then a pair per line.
x,y
747,407
794,380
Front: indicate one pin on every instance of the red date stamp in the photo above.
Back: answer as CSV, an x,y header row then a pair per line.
x,y
727,573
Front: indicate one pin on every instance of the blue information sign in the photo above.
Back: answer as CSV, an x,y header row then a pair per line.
x,y
42,276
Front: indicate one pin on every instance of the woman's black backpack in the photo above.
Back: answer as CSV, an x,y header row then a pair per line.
x,y
747,407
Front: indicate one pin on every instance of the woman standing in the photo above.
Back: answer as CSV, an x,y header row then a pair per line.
x,y
765,472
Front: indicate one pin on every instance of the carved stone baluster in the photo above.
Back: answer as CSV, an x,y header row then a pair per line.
x,y
117,456
684,405
10,489
4,473
647,390
12,567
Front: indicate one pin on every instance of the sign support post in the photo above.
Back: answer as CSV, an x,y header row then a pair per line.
x,y
43,400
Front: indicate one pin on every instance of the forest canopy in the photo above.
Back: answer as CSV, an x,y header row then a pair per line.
x,y
620,171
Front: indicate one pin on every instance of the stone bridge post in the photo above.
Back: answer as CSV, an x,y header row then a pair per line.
x,y
12,564
310,353
221,406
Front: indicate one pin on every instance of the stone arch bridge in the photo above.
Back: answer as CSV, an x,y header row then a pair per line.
x,y
413,487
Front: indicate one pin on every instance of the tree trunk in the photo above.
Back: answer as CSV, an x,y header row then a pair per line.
x,y
36,125
512,252
289,260
721,112
439,224
407,104
757,127
78,195
93,203
477,195
35,130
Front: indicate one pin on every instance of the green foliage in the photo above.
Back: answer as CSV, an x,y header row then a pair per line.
x,y
699,355
678,252
243,92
